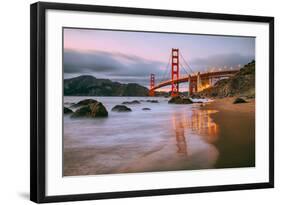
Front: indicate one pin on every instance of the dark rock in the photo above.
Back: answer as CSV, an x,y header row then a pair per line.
x,y
136,102
146,108
131,102
196,96
239,100
67,110
180,100
153,101
121,108
91,110
85,102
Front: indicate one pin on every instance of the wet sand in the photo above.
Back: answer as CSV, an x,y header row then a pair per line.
x,y
236,141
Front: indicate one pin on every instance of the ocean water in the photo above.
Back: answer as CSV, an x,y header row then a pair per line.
x,y
168,137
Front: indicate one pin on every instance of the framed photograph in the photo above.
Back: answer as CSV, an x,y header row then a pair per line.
x,y
129,102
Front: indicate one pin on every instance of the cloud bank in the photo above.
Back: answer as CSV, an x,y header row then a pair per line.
x,y
229,60
133,69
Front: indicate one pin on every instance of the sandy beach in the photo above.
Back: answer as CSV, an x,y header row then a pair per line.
x,y
236,141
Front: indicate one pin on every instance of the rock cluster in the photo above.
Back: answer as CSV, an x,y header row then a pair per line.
x,y
180,100
92,108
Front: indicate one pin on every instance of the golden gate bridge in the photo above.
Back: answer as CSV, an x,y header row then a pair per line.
x,y
196,81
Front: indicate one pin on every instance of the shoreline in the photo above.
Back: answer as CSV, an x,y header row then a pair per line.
x,y
236,141
225,139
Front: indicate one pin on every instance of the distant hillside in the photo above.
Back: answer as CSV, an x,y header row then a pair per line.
x,y
87,85
241,84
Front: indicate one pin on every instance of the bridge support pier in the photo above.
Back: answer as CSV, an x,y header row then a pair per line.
x,y
192,85
210,81
199,83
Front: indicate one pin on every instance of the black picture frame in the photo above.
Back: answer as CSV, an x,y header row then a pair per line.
x,y
38,101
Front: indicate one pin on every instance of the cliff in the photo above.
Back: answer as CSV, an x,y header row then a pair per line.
x,y
241,84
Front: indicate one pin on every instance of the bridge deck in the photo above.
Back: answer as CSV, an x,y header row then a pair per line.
x,y
203,76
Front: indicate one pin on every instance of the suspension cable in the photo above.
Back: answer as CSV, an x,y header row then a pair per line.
x,y
166,70
184,69
186,63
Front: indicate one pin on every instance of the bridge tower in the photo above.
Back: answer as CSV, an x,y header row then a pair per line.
x,y
152,84
175,72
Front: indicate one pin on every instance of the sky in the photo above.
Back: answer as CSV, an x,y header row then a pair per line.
x,y
130,57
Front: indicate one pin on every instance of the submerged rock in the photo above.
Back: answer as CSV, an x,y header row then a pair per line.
x,y
85,102
121,108
153,101
67,110
91,110
180,100
239,100
131,102
146,108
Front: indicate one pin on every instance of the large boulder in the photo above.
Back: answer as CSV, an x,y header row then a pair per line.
x,y
180,100
67,110
239,100
131,102
84,102
121,108
91,110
